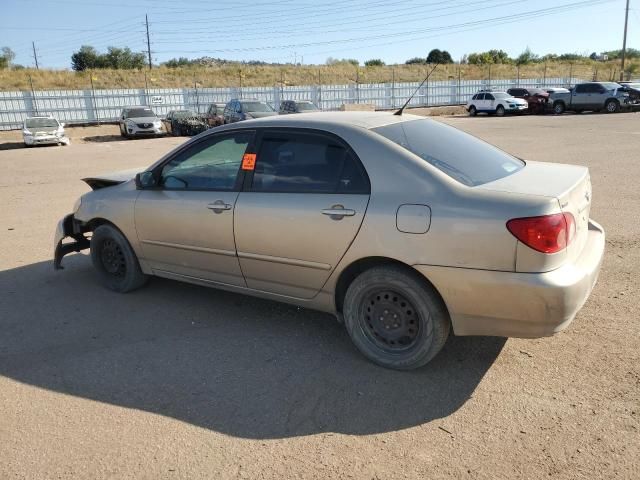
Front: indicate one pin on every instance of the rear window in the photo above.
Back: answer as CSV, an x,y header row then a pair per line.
x,y
463,157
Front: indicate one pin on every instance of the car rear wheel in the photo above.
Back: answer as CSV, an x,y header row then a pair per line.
x,y
612,106
395,318
500,111
472,111
115,260
558,108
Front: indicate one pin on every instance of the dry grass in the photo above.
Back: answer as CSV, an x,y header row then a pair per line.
x,y
231,76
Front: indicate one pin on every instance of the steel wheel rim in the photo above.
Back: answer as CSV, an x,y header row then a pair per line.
x,y
611,107
390,321
112,258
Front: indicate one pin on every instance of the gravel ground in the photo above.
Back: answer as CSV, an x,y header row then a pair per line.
x,y
177,381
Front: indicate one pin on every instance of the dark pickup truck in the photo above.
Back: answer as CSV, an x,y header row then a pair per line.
x,y
593,96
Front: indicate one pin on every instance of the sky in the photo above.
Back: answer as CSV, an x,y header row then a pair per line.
x,y
310,31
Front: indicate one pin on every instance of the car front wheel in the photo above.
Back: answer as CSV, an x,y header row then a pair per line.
x,y
500,111
558,108
115,260
472,111
612,106
395,318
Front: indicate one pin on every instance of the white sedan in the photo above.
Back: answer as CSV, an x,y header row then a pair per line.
x,y
43,130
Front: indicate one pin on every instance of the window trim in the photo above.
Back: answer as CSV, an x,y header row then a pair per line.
x,y
240,175
248,177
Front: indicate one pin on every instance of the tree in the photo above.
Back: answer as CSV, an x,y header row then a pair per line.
x,y
527,57
117,58
416,61
337,61
374,62
6,57
593,56
86,57
489,57
439,56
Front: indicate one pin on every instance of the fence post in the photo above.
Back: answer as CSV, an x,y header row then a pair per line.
x,y
518,73
489,75
459,83
393,88
544,81
93,99
195,86
33,95
319,91
570,74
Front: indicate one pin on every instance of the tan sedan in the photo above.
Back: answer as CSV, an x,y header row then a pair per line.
x,y
402,227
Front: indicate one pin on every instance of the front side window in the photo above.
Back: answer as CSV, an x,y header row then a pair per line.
x,y
488,96
306,163
581,88
463,157
211,165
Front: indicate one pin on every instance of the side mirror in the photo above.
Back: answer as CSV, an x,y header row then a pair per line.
x,y
145,180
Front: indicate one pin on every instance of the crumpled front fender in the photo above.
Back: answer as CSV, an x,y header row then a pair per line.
x,y
68,227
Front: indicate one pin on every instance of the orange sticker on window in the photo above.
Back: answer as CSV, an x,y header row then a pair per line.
x,y
248,161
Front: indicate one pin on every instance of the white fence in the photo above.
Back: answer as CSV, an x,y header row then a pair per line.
x,y
103,106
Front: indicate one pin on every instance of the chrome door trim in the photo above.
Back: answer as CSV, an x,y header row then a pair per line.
x,y
286,261
214,251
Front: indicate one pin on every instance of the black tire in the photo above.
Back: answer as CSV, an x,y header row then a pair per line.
x,y
558,108
612,106
472,111
395,318
115,261
500,111
122,132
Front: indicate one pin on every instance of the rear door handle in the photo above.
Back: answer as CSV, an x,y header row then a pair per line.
x,y
337,212
219,206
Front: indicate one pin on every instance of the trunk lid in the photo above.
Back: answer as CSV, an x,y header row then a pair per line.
x,y
570,185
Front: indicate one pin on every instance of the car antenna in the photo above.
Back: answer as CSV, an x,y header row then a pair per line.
x,y
399,112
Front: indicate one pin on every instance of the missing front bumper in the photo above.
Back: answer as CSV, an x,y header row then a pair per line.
x,y
68,227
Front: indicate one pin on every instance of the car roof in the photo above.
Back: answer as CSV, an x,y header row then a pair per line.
x,y
327,120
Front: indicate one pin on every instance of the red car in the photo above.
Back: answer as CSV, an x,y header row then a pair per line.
x,y
535,97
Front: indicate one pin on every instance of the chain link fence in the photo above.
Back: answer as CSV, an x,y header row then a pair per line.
x,y
95,106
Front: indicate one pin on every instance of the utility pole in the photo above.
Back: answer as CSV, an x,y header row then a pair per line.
x,y
146,19
624,41
35,56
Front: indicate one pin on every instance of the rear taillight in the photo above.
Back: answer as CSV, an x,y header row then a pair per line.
x,y
547,234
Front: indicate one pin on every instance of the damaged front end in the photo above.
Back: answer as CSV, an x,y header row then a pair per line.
x,y
68,227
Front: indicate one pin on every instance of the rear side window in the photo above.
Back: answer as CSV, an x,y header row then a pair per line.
x,y
294,162
463,157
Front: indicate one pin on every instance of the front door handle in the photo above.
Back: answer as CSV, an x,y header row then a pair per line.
x,y
337,212
219,206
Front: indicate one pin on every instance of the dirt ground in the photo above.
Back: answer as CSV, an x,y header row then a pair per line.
x,y
177,381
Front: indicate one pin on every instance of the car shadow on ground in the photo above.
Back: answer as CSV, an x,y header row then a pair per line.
x,y
11,145
231,363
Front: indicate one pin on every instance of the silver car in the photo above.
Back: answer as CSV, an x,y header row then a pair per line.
x,y
402,227
139,121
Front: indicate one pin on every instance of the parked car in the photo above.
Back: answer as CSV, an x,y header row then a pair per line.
x,y
139,121
184,122
402,226
245,109
215,114
42,130
297,106
593,96
536,98
495,102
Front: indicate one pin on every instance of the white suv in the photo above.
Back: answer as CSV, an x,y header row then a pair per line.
x,y
495,102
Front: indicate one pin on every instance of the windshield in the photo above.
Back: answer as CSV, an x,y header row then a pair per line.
x,y
463,157
536,91
183,114
140,113
306,106
256,107
41,123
